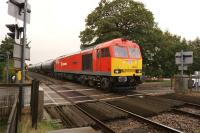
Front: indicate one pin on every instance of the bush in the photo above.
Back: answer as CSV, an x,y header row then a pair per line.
x,y
3,70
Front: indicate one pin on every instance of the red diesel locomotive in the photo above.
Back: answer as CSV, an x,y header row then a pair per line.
x,y
113,64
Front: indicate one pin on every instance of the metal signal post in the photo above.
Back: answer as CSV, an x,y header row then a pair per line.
x,y
182,61
20,9
23,51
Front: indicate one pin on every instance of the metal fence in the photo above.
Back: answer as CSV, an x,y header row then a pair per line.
x,y
6,103
13,117
11,105
191,82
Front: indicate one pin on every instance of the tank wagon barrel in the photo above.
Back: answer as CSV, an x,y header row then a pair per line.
x,y
47,66
35,67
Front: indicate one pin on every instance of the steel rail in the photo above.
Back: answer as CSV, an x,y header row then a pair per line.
x,y
146,119
192,104
65,119
186,113
103,126
184,102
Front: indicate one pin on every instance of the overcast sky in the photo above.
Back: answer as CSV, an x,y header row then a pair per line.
x,y
56,24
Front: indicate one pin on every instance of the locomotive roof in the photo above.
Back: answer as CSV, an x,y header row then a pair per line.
x,y
114,42
102,45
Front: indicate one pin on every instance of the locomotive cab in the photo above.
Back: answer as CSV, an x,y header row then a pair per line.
x,y
120,62
126,61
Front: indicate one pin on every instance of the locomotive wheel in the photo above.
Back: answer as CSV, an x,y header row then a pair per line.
x,y
105,83
83,82
133,84
91,83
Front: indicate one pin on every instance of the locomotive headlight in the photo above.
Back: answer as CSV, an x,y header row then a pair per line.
x,y
138,71
117,71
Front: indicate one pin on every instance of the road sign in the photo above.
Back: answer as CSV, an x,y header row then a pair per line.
x,y
187,57
18,50
16,10
182,68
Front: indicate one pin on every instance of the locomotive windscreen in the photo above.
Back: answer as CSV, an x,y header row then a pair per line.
x,y
87,62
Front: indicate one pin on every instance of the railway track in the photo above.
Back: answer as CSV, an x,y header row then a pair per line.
x,y
190,109
105,124
178,121
157,125
185,117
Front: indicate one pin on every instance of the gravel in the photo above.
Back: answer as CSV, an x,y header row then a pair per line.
x,y
130,126
181,122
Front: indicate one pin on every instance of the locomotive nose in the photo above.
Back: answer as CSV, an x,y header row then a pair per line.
x,y
126,67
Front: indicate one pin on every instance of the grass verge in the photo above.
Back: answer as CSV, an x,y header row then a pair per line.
x,y
25,126
3,126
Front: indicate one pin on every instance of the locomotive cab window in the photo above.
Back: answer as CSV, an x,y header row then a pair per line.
x,y
134,52
105,52
120,51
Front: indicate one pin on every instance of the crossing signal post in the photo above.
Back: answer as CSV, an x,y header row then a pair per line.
x,y
20,9
15,31
11,28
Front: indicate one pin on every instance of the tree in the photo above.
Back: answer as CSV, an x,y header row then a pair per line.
x,y
130,19
171,45
118,18
7,45
195,47
123,18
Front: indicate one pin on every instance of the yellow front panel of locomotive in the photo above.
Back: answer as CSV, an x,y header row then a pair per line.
x,y
128,67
